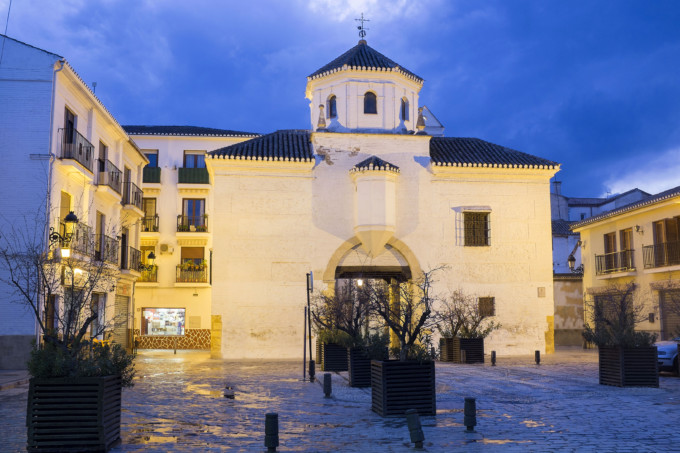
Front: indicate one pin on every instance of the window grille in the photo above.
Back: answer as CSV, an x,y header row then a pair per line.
x,y
477,231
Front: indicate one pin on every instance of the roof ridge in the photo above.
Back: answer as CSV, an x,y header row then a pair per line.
x,y
29,45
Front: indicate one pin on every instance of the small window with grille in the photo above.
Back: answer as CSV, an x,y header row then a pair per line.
x,y
476,226
487,306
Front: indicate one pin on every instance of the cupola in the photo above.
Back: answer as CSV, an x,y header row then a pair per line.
x,y
364,91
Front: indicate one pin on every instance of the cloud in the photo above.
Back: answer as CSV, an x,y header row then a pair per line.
x,y
652,175
383,10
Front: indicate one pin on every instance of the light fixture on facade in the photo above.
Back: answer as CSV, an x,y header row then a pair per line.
x,y
572,262
151,257
360,282
64,238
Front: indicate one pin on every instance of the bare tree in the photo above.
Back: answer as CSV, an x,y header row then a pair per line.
x,y
613,314
346,310
460,315
60,280
407,310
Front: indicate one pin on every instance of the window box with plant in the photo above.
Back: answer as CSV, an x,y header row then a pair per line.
x,y
627,358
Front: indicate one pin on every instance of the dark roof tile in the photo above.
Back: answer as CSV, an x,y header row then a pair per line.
x,y
363,56
561,228
473,152
375,163
284,145
186,131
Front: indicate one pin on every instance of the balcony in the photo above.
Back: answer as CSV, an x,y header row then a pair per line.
x,y
131,259
192,273
149,274
661,255
109,175
610,263
150,224
79,240
75,146
106,249
193,176
151,175
188,223
132,195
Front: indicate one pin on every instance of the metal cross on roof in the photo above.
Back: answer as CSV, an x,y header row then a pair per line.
x,y
362,30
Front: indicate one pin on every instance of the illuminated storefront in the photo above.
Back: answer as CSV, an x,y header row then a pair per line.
x,y
163,321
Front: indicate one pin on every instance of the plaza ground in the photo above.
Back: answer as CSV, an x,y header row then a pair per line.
x,y
177,404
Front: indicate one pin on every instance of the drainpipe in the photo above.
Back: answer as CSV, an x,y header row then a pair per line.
x,y
50,169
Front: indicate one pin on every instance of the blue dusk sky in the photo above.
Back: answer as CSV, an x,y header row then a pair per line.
x,y
594,85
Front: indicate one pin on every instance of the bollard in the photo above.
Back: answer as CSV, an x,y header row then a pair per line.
x,y
493,358
537,356
470,414
271,431
327,385
312,370
463,356
415,429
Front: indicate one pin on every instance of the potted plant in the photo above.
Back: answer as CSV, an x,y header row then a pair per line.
x,y
74,399
408,382
627,358
464,322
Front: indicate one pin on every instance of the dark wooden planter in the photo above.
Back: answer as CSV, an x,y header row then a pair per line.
x,y
73,414
635,367
332,357
398,386
449,349
474,349
359,367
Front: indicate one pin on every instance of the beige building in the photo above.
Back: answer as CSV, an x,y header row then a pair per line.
x,y
639,243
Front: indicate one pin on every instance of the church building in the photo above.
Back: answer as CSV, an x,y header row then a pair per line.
x,y
373,188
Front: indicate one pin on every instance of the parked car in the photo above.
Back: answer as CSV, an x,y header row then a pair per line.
x,y
668,354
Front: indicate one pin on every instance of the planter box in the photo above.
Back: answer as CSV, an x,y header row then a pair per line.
x,y
332,357
474,349
359,367
398,386
449,349
73,414
636,367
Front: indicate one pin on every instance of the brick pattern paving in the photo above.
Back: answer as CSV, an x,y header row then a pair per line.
x,y
192,339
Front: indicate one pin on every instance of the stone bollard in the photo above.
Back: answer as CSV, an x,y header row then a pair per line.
x,y
463,356
493,358
312,370
537,357
327,385
271,431
470,414
415,429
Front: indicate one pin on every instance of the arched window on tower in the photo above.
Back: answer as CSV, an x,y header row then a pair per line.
x,y
332,109
404,109
370,103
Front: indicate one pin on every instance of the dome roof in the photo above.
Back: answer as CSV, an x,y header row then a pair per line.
x,y
362,56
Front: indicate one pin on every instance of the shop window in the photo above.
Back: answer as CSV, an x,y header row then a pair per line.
x,y
476,225
163,321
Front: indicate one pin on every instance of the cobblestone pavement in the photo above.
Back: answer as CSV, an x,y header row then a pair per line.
x,y
177,404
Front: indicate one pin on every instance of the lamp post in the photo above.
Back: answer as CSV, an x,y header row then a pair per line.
x,y
571,261
64,240
310,288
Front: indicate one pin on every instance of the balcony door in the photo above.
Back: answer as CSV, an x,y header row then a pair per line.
x,y
626,242
194,159
193,211
610,251
124,256
69,126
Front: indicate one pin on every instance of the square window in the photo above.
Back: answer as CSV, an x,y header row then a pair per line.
x,y
487,306
476,226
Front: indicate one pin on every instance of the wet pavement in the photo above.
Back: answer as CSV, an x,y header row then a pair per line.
x,y
177,404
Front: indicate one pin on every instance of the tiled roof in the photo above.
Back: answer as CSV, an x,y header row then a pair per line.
x,y
375,163
185,131
575,201
561,228
285,145
658,198
473,152
362,56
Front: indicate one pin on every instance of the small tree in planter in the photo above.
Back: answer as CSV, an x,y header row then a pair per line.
x,y
464,323
409,382
626,357
63,291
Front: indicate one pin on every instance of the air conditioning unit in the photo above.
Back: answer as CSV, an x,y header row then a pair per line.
x,y
166,248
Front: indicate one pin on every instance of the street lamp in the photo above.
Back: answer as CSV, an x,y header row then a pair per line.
x,y
64,240
151,257
571,261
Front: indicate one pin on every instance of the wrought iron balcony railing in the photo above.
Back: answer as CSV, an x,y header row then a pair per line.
x,y
151,174
150,224
193,176
106,248
75,146
131,259
661,255
192,223
614,262
192,274
149,274
132,195
109,175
